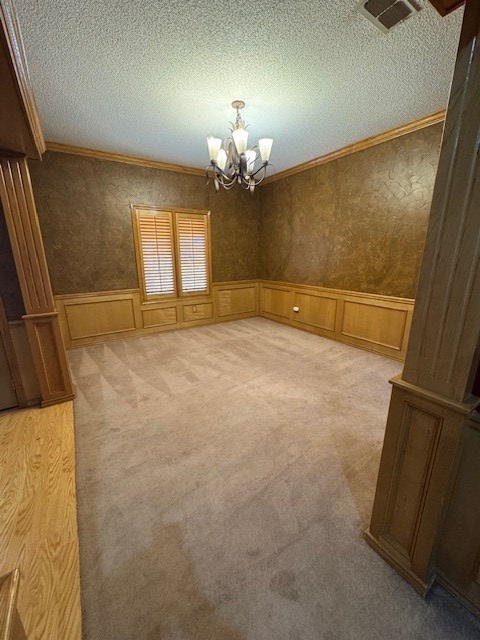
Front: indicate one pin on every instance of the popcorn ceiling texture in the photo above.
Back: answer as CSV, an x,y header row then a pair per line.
x,y
154,78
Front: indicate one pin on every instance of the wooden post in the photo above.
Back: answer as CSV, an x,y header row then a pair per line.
x,y
41,319
432,399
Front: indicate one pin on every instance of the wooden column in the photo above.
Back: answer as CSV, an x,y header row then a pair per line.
x,y
41,319
431,401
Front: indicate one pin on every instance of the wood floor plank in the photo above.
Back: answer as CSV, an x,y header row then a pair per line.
x,y
38,521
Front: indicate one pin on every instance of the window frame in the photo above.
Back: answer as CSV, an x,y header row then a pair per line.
x,y
172,212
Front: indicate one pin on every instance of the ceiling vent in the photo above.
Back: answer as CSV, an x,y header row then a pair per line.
x,y
386,14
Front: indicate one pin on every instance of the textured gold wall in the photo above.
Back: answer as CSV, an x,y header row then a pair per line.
x,y
9,286
357,223
84,210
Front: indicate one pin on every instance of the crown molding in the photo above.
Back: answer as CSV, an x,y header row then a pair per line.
x,y
391,134
361,145
58,147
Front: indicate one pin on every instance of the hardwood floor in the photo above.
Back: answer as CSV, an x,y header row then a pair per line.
x,y
38,519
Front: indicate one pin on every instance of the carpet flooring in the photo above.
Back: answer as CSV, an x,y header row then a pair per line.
x,y
225,475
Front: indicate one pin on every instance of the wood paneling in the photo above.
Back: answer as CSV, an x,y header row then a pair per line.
x,y
12,393
100,317
445,7
420,434
316,310
459,553
443,355
49,358
361,145
422,457
417,461
25,236
375,323
24,358
236,301
41,318
159,317
38,522
202,311
275,302
20,129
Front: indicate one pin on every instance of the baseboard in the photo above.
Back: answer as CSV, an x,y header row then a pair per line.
x,y
419,585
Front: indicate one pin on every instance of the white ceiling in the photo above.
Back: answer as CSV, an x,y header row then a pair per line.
x,y
152,78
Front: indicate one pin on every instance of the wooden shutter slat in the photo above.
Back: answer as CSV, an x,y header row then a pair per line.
x,y
193,257
156,244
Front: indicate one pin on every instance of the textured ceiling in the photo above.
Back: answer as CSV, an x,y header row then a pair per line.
x,y
153,78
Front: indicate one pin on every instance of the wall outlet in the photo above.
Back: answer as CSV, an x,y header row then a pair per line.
x,y
296,309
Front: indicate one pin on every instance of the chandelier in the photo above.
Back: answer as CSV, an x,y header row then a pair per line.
x,y
231,162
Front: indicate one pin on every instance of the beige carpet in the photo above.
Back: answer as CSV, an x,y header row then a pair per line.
x,y
225,475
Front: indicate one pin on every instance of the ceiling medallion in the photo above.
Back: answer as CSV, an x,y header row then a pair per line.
x,y
231,162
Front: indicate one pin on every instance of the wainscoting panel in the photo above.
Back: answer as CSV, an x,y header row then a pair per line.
x,y
93,318
159,317
24,357
423,431
192,312
373,322
459,564
420,432
275,301
100,317
232,301
316,310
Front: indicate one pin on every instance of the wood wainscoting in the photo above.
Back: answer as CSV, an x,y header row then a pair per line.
x,y
373,322
26,367
92,318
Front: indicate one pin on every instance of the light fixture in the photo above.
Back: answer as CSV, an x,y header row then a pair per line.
x,y
231,162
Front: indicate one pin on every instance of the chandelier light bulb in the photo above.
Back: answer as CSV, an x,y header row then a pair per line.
x,y
221,159
240,137
214,145
251,156
265,148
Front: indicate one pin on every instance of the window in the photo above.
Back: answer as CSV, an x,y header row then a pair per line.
x,y
173,251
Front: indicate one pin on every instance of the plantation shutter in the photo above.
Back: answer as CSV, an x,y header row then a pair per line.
x,y
156,245
192,234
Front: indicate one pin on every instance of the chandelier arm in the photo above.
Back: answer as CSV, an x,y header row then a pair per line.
x,y
225,180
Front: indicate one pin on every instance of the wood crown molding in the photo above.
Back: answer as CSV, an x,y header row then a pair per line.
x,y
19,69
361,145
446,6
59,147
410,127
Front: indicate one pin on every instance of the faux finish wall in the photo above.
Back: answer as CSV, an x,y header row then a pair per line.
x,y
9,285
357,223
84,210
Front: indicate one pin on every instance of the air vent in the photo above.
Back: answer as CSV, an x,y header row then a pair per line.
x,y
386,14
